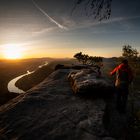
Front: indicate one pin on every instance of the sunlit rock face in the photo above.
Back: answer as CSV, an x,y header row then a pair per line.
x,y
88,81
51,111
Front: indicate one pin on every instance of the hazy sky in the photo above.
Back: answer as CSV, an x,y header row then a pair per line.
x,y
52,30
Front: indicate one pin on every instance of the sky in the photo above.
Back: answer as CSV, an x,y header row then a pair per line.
x,y
46,28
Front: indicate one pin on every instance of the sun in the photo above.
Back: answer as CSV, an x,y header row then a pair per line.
x,y
12,51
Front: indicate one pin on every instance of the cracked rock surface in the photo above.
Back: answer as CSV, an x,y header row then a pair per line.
x,y
51,111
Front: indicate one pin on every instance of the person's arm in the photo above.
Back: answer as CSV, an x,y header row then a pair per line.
x,y
114,70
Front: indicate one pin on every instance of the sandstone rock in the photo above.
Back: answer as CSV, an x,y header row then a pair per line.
x,y
50,111
108,138
87,81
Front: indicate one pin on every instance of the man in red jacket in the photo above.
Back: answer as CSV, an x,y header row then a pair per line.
x,y
124,77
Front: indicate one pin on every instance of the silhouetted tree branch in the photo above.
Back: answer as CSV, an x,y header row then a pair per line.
x,y
129,52
86,59
99,9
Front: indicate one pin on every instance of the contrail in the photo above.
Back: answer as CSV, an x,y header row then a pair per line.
x,y
50,18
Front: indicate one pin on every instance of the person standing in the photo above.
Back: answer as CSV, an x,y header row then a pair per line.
x,y
124,77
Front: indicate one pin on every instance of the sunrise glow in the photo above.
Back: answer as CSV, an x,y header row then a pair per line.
x,y
12,51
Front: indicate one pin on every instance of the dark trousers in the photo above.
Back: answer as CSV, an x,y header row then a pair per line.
x,y
121,98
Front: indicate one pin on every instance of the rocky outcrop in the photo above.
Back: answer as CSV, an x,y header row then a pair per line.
x,y
51,111
88,81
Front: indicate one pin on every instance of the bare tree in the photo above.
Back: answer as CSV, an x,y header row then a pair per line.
x,y
129,52
99,9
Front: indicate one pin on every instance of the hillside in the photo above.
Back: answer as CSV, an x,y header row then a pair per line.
x,y
41,73
52,111
9,69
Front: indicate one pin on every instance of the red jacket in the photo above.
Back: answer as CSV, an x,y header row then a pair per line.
x,y
123,67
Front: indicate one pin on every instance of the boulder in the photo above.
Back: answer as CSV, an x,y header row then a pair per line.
x,y
87,81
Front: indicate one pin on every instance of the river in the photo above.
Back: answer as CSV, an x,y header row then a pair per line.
x,y
11,85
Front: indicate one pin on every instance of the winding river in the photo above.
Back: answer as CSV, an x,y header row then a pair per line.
x,y
11,85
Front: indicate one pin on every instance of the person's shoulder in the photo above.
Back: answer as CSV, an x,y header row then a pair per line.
x,y
120,66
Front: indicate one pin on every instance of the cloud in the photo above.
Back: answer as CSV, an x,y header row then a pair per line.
x,y
50,18
74,25
90,22
44,30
